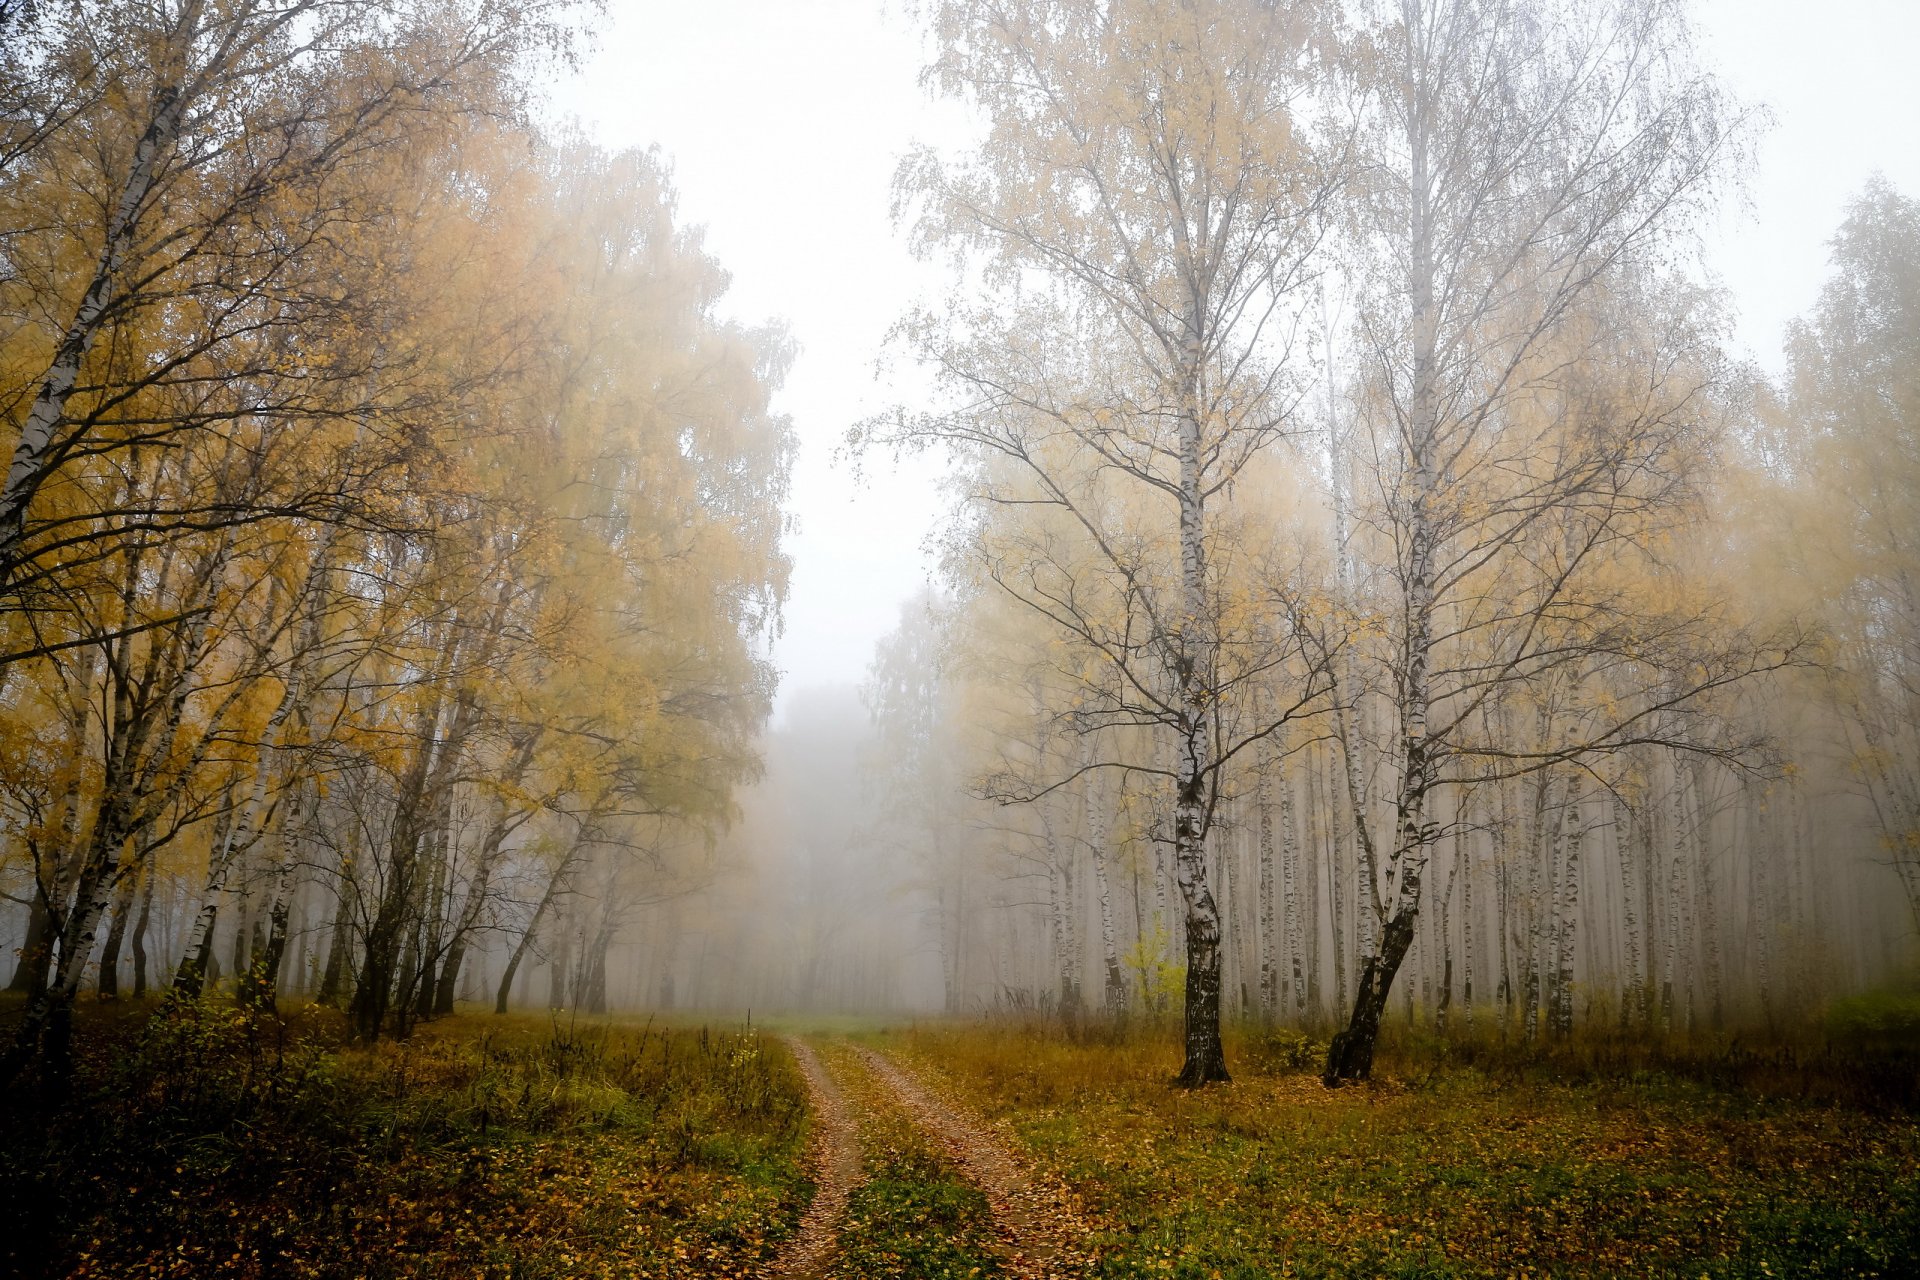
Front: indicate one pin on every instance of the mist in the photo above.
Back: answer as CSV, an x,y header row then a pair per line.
x,y
983,637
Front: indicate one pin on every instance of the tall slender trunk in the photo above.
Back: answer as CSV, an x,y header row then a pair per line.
x,y
1308,950
1467,933
1540,850
1760,901
432,931
36,453
595,963
139,938
1633,1001
389,931
1162,928
1264,877
261,985
1290,889
1676,872
197,955
1707,898
1337,892
47,1025
1060,903
334,974
1445,1002
1567,910
36,950
108,983
147,709
557,965
525,941
1114,997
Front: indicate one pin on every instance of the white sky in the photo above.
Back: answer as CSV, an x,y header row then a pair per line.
x,y
783,120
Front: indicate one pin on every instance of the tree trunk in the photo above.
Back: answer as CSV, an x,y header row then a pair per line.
x,y
1539,849
1567,909
1467,933
1337,893
596,965
1706,896
557,965
36,950
1269,959
1290,889
1309,948
1114,999
521,947
139,939
1060,911
35,452
261,985
1206,1060
47,1024
191,974
388,933
1350,1056
1760,900
334,974
1633,998
1676,885
108,983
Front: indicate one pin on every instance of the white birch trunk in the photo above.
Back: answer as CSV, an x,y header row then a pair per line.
x,y
1567,910
1633,1001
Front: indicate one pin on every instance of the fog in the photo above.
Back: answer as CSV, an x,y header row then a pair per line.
x,y
839,511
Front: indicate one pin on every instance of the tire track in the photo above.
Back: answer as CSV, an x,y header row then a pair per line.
x,y
834,1153
1038,1227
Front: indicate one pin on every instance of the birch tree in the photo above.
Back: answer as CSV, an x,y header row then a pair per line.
x,y
1523,439
1144,209
188,177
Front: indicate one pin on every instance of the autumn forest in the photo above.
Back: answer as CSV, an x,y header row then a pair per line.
x,y
1403,759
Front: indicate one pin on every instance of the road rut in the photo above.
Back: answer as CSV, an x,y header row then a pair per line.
x,y
835,1156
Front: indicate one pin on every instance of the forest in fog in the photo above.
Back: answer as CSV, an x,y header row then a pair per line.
x,y
1371,588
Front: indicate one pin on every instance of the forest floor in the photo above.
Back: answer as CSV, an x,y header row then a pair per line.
x,y
1502,1167
210,1143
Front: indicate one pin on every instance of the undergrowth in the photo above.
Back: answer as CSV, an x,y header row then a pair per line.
x,y
206,1141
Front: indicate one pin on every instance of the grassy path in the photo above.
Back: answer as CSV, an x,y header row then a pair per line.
x,y
1036,1225
834,1154
932,1194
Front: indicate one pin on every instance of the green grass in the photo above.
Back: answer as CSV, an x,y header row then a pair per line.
x,y
204,1143
914,1216
1454,1170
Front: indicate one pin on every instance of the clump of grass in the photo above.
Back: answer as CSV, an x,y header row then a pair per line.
x,y
211,1141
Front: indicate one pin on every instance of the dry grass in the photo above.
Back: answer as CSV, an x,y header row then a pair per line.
x,y
1443,1167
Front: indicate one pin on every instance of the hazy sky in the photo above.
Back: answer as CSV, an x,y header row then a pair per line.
x,y
783,120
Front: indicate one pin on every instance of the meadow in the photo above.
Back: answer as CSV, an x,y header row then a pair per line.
x,y
200,1139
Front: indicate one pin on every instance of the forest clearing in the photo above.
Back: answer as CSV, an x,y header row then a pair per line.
x,y
959,638
561,1146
